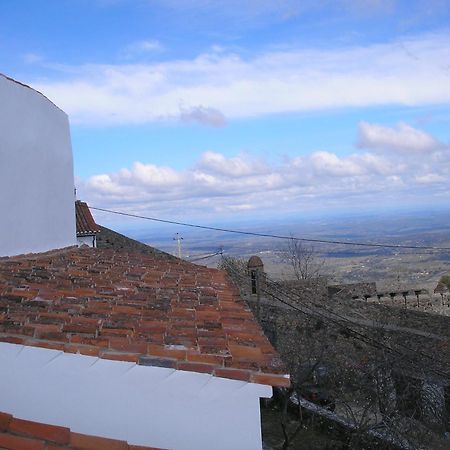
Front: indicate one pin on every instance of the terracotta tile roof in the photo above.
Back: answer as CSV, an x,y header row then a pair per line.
x,y
134,307
18,434
85,222
107,238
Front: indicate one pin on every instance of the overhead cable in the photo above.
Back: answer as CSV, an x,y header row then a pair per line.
x,y
274,236
340,321
201,257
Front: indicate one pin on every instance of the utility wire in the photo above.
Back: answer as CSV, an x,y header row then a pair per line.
x,y
275,236
289,293
339,322
201,257
362,337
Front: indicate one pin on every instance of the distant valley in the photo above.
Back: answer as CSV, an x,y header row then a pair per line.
x,y
343,263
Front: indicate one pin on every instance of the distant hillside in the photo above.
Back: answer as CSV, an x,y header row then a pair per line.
x,y
111,239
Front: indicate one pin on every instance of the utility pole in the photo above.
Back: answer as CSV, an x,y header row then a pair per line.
x,y
178,238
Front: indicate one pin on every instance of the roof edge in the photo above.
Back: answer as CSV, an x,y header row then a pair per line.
x,y
152,360
20,83
38,255
28,432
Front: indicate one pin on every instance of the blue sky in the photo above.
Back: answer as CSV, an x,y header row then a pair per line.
x,y
209,110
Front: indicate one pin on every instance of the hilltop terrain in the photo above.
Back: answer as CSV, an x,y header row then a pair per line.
x,y
390,268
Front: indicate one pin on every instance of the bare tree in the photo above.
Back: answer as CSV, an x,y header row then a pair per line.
x,y
303,259
374,395
235,267
379,391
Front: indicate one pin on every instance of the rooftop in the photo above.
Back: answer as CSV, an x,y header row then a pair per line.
x,y
134,307
85,222
25,434
107,238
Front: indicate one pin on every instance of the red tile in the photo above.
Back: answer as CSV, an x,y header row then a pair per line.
x,y
272,380
11,442
124,306
59,435
85,442
234,374
159,350
5,420
217,360
119,356
196,367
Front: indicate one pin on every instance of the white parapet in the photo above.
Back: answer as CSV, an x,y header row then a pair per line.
x,y
143,405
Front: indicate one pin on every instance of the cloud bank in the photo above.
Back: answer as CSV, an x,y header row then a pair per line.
x,y
216,85
218,185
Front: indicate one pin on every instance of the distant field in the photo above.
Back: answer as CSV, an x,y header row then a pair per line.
x,y
388,267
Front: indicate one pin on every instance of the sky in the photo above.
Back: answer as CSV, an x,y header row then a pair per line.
x,y
211,111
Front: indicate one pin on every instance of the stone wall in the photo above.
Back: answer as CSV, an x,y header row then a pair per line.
x,y
352,290
422,338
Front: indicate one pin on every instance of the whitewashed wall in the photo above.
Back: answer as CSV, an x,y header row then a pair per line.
x,y
150,406
37,211
90,241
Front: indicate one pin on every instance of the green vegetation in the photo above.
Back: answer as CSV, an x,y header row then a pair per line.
x,y
445,279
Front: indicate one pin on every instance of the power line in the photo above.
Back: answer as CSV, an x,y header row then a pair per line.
x,y
209,255
274,236
289,293
343,321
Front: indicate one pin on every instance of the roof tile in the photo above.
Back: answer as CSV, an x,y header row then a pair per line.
x,y
59,435
134,307
5,419
12,442
84,221
85,442
19,434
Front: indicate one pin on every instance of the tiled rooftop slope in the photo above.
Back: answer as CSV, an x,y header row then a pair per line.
x,y
133,307
107,238
17,434
84,221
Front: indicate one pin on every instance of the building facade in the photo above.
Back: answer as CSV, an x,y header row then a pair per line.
x,y
36,172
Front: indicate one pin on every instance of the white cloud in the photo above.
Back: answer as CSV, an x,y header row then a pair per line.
x,y
325,163
238,166
233,86
403,138
217,184
150,175
430,178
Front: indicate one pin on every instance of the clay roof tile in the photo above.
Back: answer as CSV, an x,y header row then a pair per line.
x,y
26,434
135,307
84,220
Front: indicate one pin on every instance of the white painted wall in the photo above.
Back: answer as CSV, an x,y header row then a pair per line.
x,y
143,405
90,241
36,173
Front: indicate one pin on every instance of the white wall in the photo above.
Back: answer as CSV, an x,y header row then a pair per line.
x,y
36,173
90,241
150,406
